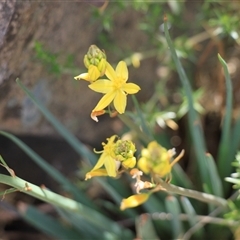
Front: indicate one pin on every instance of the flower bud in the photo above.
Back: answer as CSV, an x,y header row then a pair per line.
x,y
95,57
124,151
157,159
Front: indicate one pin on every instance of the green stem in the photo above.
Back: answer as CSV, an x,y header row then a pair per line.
x,y
203,219
203,197
57,200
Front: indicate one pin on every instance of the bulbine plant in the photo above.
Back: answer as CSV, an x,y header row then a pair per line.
x,y
156,178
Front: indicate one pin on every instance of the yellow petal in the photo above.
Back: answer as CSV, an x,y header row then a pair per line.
x,y
102,66
162,169
120,101
110,73
129,163
83,76
93,73
100,162
96,173
134,201
131,88
143,165
110,166
101,86
105,101
122,71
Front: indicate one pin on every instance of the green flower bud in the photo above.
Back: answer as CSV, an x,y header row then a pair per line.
x,y
97,58
124,151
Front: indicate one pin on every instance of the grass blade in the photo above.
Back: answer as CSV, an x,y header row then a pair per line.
x,y
193,119
224,163
57,176
90,215
47,224
145,229
173,207
214,174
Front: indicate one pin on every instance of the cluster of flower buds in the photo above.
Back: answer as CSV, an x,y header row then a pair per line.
x,y
157,160
96,62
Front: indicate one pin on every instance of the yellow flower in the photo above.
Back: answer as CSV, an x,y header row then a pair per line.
x,y
115,88
114,154
134,200
95,61
157,159
107,159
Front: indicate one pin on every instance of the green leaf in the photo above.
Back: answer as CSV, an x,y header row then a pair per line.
x,y
47,224
214,175
56,175
145,229
90,215
224,163
193,118
173,207
189,210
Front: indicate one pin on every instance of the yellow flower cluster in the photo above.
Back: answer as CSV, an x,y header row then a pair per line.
x,y
118,155
115,154
115,87
156,159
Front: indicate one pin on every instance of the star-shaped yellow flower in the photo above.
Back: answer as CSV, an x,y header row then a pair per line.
x,y
107,159
115,88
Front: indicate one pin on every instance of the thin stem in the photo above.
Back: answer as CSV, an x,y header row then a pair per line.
x,y
177,158
203,197
59,201
204,219
200,224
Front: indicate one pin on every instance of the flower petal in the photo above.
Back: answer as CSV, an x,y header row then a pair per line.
x,y
110,166
120,101
102,86
122,71
129,163
96,173
110,73
83,76
143,165
100,162
105,101
95,114
131,88
93,73
134,201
